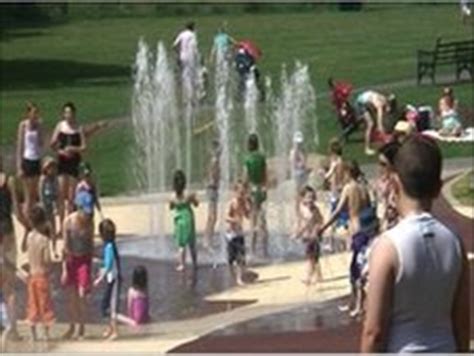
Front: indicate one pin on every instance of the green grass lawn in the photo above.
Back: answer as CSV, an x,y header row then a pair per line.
x,y
463,190
89,62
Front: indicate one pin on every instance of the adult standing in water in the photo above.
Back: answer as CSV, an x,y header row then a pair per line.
x,y
69,142
8,206
186,45
28,154
78,233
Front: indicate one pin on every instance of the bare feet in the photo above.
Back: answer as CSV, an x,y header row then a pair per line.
x,y
12,334
68,334
81,333
107,332
113,336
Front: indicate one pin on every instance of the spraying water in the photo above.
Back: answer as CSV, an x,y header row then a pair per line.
x,y
250,104
157,107
294,110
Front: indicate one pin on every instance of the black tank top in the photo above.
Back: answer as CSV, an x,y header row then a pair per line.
x,y
69,140
5,201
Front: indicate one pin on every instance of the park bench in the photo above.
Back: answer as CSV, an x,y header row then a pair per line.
x,y
457,53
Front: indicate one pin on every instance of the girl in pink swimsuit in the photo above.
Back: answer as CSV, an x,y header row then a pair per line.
x,y
137,299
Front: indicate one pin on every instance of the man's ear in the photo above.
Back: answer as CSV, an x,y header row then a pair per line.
x,y
398,184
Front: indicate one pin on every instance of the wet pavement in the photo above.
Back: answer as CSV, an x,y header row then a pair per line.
x,y
173,295
322,328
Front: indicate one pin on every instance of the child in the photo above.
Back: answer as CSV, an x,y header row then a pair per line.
x,y
111,273
299,169
86,183
137,298
309,221
184,228
238,209
363,223
39,307
335,177
49,197
387,185
213,182
255,177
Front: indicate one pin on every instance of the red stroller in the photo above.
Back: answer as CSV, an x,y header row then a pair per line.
x,y
346,114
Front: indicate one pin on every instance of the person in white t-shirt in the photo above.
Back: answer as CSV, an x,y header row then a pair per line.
x,y
188,56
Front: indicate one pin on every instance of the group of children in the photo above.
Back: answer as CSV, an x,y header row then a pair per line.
x,y
352,207
40,245
355,205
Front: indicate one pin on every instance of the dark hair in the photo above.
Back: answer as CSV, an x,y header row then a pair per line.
x,y
107,230
307,189
389,151
352,167
418,164
140,278
190,25
37,216
70,105
179,182
335,147
252,143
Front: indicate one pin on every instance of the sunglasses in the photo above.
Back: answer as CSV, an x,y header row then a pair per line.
x,y
383,163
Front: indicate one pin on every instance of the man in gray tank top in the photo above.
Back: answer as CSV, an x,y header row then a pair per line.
x,y
418,295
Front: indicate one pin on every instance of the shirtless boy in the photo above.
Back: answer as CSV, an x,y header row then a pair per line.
x,y
362,220
237,211
39,306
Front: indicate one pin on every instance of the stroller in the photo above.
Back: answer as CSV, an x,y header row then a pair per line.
x,y
245,64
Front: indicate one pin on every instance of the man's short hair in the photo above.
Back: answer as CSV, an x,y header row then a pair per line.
x,y
418,163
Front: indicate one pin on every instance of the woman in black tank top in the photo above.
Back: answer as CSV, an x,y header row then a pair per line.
x,y
69,143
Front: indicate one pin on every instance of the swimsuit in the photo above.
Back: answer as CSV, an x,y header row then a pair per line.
x,y
139,309
313,249
184,229
30,163
79,261
69,165
235,248
49,194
